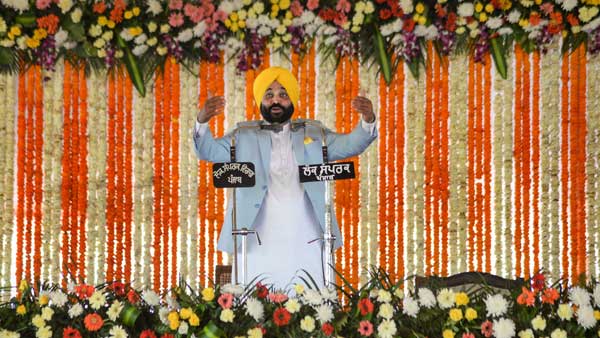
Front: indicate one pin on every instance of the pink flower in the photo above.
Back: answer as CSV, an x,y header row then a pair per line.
x,y
343,6
278,297
366,306
365,328
42,4
547,7
487,328
175,4
312,4
296,8
195,13
176,19
468,335
225,300
340,19
220,16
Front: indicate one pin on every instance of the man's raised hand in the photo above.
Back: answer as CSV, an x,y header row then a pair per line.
x,y
213,106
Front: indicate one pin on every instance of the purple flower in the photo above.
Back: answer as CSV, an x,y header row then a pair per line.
x,y
173,47
594,42
46,53
482,46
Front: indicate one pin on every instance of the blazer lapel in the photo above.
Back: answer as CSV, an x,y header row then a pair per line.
x,y
264,145
298,145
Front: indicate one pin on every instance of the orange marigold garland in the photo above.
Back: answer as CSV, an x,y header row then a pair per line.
x,y
128,179
29,224
158,177
384,118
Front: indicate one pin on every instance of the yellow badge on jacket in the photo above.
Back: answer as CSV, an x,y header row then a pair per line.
x,y
308,140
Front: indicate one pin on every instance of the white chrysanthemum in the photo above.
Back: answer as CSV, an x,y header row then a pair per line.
x,y
465,9
75,310
538,323
446,298
97,300
426,298
227,316
58,298
589,27
505,31
420,30
313,28
172,303
579,296
386,310
185,35
76,15
410,306
496,305
9,334
384,296
255,309
117,331
264,31
183,328
199,29
568,5
324,313
526,3
140,39
503,328
387,329
534,34
432,32
558,333
150,297
514,16
292,305
163,315
564,311
22,42
407,6
96,31
7,43
19,5
526,334
494,22
38,321
154,7
108,35
329,294
255,333
312,297
585,317
114,310
65,5
43,332
329,30
47,313
307,324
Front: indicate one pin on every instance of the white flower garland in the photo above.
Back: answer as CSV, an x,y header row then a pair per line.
x,y
593,179
52,169
506,171
457,232
550,221
368,186
97,190
146,183
8,134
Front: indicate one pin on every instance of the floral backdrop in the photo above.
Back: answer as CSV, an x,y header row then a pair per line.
x,y
486,160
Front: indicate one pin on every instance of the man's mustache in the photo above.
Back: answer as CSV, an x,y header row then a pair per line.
x,y
276,105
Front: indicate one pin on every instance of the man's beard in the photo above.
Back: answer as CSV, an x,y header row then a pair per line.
x,y
268,116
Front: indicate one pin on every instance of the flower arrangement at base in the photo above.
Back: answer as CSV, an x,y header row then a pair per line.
x,y
380,308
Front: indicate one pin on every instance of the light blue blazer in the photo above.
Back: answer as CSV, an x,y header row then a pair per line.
x,y
254,145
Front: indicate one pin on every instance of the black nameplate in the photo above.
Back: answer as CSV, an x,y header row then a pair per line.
x,y
234,175
326,172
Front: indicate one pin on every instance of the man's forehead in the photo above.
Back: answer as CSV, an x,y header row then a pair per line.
x,y
276,86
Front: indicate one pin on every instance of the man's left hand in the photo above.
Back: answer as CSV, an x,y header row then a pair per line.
x,y
365,107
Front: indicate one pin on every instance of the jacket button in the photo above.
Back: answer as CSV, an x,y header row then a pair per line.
x,y
257,206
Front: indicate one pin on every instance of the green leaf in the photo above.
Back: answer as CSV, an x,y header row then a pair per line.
x,y
211,330
499,56
382,56
76,31
132,67
413,66
26,19
130,314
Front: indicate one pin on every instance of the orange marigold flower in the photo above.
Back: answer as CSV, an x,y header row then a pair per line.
x,y
99,7
49,23
556,17
534,18
550,295
93,322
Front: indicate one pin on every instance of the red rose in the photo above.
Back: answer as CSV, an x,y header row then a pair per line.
x,y
261,291
366,306
327,329
281,316
133,297
385,14
538,281
118,288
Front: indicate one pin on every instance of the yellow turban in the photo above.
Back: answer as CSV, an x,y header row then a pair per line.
x,y
270,75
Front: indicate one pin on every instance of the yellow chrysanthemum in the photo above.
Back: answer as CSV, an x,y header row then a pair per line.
x,y
233,17
16,31
470,314
234,27
420,8
456,314
208,294
135,31
111,24
194,320
43,300
422,20
242,24
478,7
40,34
32,43
136,11
128,15
489,8
448,333
21,310
284,4
461,298
483,17
185,313
102,20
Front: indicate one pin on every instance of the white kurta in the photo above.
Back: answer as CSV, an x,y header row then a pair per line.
x,y
286,223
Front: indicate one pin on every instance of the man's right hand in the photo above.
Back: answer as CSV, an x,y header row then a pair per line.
x,y
213,106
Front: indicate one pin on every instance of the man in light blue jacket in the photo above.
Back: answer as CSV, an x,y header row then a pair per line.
x,y
286,213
